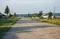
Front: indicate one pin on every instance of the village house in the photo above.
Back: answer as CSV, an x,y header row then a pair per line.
x,y
2,15
46,16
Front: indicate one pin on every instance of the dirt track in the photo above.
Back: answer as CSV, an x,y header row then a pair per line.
x,y
29,29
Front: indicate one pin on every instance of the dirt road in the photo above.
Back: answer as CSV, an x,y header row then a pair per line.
x,y
26,28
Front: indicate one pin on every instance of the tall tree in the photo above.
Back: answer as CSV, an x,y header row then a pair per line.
x,y
50,15
15,14
7,10
40,14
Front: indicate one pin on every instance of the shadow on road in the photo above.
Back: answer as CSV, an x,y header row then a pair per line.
x,y
27,29
12,32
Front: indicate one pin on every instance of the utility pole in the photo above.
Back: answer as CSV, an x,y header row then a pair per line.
x,y
54,10
53,13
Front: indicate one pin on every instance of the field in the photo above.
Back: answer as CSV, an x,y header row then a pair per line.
x,y
53,21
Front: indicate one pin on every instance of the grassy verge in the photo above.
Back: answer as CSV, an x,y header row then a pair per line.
x,y
53,21
5,25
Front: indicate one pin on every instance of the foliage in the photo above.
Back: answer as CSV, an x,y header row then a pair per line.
x,y
29,15
10,15
0,13
15,14
40,14
7,10
50,15
34,15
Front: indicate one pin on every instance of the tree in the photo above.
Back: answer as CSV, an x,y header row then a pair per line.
x,y
15,14
40,14
0,13
29,15
50,15
10,15
35,15
7,10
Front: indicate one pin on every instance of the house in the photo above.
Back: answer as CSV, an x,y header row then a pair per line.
x,y
56,15
46,16
2,15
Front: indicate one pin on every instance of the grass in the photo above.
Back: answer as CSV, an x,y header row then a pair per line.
x,y
53,21
5,25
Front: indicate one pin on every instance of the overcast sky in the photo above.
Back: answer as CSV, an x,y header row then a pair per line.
x,y
30,6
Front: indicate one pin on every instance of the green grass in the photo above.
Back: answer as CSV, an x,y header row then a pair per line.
x,y
53,21
5,25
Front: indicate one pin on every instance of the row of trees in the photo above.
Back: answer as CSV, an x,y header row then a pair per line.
x,y
40,15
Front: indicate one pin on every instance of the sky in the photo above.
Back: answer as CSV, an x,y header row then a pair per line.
x,y
30,6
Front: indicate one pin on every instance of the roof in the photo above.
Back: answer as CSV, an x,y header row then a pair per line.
x,y
45,14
